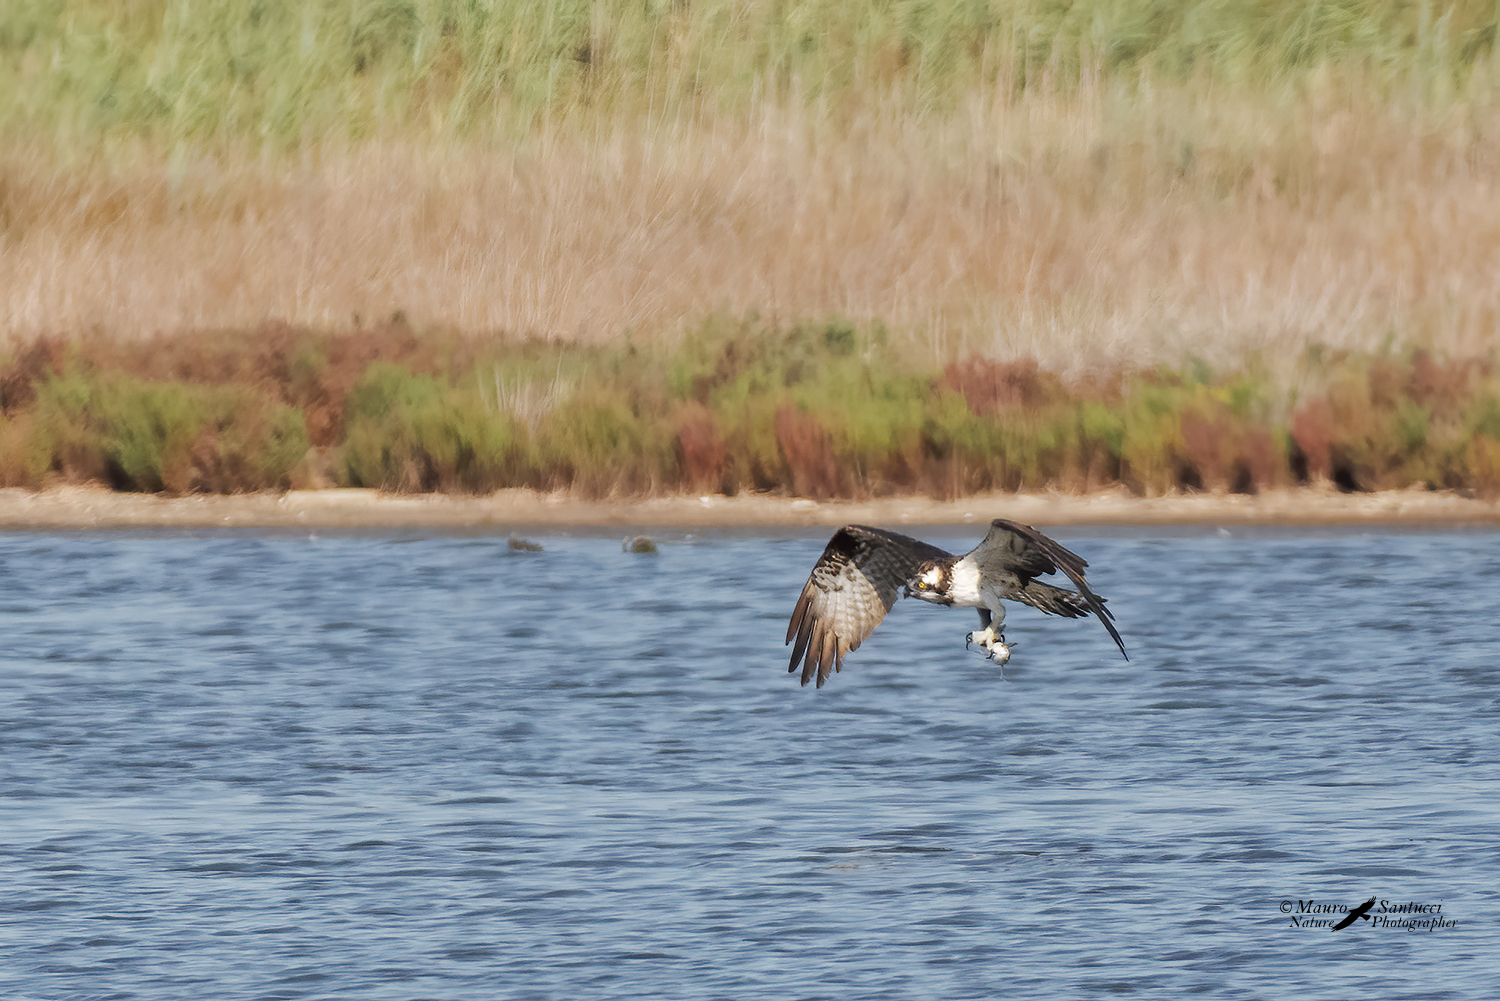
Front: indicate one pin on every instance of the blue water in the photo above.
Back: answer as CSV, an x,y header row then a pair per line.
x,y
425,766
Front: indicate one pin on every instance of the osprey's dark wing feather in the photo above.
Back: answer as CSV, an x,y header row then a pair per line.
x,y
1013,549
853,584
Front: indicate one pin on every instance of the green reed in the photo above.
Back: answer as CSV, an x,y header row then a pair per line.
x,y
287,71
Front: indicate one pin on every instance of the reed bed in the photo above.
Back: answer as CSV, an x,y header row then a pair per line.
x,y
1093,185
1078,234
437,244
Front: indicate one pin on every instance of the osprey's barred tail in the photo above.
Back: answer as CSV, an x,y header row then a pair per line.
x,y
1052,600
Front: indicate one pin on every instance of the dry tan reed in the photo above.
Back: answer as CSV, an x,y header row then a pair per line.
x,y
1089,230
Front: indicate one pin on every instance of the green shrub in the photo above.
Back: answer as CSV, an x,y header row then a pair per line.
x,y
414,433
152,436
598,444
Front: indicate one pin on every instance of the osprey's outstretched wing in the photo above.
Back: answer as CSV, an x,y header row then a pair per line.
x,y
853,584
1013,550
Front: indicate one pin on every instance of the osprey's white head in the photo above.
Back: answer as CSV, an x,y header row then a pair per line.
x,y
932,582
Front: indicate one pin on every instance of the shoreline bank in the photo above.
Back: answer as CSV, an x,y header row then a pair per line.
x,y
88,508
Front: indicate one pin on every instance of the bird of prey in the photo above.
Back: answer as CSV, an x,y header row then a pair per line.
x,y
864,570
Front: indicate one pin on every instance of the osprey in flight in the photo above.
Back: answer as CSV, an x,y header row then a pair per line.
x,y
864,570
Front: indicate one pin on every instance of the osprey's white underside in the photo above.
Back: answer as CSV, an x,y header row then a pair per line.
x,y
969,592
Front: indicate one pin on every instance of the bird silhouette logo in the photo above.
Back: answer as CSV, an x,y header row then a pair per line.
x,y
1362,911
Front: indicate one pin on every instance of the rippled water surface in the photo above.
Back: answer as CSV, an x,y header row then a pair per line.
x,y
426,766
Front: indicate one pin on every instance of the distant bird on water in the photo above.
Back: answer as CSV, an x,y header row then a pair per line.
x,y
523,545
638,544
864,570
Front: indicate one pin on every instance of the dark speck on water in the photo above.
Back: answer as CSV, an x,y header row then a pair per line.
x,y
397,766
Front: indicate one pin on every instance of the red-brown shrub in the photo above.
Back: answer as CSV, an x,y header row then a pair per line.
x,y
700,449
1312,430
808,453
990,386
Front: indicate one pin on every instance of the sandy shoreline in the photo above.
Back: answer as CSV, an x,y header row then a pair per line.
x,y
93,508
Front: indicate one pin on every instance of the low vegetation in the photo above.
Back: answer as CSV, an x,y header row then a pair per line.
x,y
827,410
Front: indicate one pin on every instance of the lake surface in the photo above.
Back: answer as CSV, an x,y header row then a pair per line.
x,y
238,765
